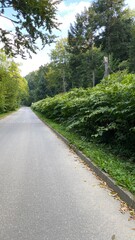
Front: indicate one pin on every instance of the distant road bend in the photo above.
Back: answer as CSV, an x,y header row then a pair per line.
x,y
46,193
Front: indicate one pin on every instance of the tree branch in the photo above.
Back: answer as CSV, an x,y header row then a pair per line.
x,y
13,21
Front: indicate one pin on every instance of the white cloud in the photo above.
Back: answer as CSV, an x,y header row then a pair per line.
x,y
63,8
67,13
131,3
33,64
6,23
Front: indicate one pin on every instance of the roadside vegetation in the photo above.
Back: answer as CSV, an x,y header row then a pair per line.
x,y
3,115
120,170
100,122
13,87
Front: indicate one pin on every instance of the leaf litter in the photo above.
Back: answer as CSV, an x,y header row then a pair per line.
x,y
124,208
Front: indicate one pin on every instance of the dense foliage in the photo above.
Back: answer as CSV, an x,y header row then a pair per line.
x,y
51,78
108,26
57,76
105,113
32,20
13,88
37,85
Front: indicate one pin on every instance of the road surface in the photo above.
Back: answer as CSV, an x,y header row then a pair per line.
x,y
46,193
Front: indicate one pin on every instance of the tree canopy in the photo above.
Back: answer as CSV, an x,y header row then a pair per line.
x,y
32,20
113,27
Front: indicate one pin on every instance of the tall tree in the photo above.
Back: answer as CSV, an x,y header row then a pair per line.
x,y
60,64
41,90
81,33
32,84
37,84
132,51
32,20
83,53
113,27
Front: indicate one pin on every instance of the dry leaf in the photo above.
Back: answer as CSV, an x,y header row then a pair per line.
x,y
132,212
113,194
103,185
124,208
113,237
132,217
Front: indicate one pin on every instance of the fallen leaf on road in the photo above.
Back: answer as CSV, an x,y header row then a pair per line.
x,y
124,208
132,217
113,194
113,237
132,212
103,185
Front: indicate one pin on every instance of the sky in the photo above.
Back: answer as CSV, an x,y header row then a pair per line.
x,y
66,13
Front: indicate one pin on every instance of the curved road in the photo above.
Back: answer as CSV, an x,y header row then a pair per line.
x,y
46,193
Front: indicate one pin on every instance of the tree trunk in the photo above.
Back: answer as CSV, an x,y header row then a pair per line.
x,y
64,82
93,78
106,63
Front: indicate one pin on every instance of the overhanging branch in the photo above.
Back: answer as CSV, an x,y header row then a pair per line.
x,y
13,21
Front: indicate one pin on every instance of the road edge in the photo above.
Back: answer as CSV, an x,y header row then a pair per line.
x,y
125,195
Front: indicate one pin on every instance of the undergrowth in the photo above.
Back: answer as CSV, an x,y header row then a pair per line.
x,y
123,172
3,115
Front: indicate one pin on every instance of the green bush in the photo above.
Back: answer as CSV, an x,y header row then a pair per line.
x,y
105,113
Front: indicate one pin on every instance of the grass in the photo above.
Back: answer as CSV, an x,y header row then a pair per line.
x,y
123,172
3,115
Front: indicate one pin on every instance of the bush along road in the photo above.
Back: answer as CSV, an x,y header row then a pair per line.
x,y
100,122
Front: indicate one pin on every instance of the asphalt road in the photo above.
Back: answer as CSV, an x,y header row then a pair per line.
x,y
46,193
